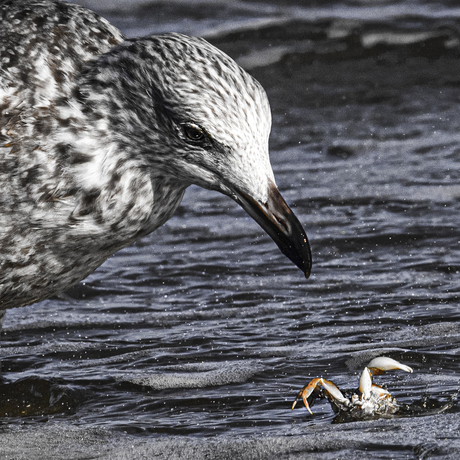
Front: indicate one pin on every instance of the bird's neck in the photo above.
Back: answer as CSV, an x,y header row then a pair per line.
x,y
120,195
111,192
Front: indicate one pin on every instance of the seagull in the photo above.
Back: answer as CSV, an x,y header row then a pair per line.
x,y
100,136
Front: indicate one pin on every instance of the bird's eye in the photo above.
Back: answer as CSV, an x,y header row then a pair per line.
x,y
194,133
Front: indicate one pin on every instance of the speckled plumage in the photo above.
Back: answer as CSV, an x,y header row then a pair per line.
x,y
98,142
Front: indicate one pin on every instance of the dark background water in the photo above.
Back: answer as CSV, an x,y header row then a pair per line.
x,y
195,341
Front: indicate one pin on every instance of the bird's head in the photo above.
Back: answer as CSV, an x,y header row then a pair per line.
x,y
205,121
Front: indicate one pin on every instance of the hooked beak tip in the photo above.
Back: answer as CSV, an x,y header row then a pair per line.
x,y
278,220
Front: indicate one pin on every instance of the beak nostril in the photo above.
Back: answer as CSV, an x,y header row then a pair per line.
x,y
282,223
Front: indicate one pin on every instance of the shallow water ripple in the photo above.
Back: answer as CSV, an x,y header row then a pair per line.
x,y
196,340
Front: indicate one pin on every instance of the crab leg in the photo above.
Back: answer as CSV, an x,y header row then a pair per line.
x,y
315,385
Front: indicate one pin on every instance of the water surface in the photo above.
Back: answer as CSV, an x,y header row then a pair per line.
x,y
195,341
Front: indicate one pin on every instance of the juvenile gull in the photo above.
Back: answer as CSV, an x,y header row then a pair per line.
x,y
100,135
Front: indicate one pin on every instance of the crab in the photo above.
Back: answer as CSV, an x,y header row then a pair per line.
x,y
369,400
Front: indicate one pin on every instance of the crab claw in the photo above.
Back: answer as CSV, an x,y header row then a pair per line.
x,y
378,366
382,363
314,388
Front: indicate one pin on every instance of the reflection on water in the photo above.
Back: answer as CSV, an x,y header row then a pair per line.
x,y
203,328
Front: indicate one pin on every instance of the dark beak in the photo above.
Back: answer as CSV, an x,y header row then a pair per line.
x,y
278,220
